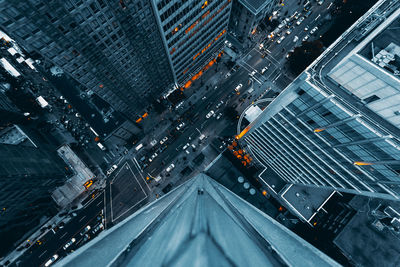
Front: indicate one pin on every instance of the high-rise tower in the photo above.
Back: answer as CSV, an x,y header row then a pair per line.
x,y
193,32
28,174
200,223
113,48
337,124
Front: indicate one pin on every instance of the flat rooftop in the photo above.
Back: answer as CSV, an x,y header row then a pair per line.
x,y
306,200
254,6
365,244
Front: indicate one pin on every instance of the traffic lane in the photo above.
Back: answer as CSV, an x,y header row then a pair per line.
x,y
54,242
298,30
175,147
213,96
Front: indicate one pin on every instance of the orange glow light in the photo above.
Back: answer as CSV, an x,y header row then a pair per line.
x,y
243,133
101,86
264,193
361,163
97,139
145,115
188,84
138,120
318,130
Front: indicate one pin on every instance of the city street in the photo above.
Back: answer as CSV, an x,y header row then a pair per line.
x,y
261,72
52,243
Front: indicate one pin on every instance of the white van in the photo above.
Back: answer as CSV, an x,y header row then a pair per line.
x,y
100,145
296,38
170,167
138,147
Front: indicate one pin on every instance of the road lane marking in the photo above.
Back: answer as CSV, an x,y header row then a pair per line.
x,y
146,195
42,253
140,172
82,218
63,235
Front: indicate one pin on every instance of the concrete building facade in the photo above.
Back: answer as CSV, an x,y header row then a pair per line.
x,y
113,48
246,15
329,128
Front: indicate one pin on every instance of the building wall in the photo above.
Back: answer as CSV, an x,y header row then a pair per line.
x,y
244,19
193,32
111,47
27,175
308,137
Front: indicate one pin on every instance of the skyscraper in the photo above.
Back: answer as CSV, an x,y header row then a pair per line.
x,y
193,32
9,113
246,15
337,124
200,223
27,175
128,52
113,48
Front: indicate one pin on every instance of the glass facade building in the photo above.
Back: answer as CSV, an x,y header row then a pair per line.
x,y
319,132
27,176
193,32
113,48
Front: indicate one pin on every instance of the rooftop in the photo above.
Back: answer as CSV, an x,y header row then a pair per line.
x,y
366,244
65,194
306,201
183,228
255,6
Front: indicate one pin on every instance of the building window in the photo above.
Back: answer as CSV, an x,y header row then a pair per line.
x,y
371,99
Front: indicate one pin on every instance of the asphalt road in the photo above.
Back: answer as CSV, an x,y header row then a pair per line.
x,y
52,243
274,59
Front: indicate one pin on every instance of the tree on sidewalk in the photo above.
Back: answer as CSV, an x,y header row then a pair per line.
x,y
304,55
231,113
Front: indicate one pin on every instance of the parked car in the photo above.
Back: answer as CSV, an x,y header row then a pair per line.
x,y
153,157
112,169
219,116
281,39
306,38
227,43
162,141
238,87
180,126
85,230
209,114
51,260
299,21
170,167
69,243
185,146
219,104
313,30
264,69
97,228
288,32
